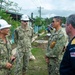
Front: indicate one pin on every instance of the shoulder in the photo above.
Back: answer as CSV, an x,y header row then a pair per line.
x,y
71,44
60,34
73,41
17,28
71,48
61,31
30,28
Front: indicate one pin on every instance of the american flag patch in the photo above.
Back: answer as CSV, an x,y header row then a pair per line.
x,y
72,54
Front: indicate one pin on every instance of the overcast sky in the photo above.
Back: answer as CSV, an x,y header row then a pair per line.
x,y
49,7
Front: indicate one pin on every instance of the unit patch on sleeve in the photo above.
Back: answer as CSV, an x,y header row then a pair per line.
x,y
52,44
72,54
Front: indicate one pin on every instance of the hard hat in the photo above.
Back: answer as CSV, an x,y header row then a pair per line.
x,y
4,24
25,17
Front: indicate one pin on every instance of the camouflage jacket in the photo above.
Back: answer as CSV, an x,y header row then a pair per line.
x,y
56,43
5,53
23,37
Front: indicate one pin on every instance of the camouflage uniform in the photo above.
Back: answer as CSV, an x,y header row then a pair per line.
x,y
23,49
5,53
56,43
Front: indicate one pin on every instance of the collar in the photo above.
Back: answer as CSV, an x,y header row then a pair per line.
x,y
27,28
1,41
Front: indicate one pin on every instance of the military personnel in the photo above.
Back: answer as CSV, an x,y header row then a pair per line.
x,y
5,49
23,35
55,47
67,66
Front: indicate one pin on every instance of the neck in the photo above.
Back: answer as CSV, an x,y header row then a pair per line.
x,y
58,28
24,26
72,35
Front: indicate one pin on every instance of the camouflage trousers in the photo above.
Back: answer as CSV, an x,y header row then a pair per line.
x,y
21,63
5,72
53,67
30,53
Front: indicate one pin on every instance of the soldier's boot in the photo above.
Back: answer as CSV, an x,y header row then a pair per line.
x,y
23,71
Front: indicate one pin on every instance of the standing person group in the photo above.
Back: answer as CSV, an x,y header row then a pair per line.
x,y
23,39
67,66
56,43
23,36
5,49
55,47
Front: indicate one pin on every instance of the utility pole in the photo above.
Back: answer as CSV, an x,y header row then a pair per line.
x,y
32,19
31,15
39,11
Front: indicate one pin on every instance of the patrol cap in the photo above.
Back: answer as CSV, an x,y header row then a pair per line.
x,y
4,24
25,18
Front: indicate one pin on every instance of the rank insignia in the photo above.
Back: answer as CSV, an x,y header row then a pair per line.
x,y
73,41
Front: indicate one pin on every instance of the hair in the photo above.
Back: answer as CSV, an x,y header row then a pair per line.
x,y
58,19
71,20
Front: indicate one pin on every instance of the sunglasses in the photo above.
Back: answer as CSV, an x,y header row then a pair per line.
x,y
24,21
53,21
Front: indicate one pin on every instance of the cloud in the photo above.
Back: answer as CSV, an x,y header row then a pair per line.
x,y
49,7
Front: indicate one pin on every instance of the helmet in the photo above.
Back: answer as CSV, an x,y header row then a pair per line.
x,y
25,17
4,24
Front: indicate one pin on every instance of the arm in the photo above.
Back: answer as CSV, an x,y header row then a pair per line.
x,y
72,56
3,58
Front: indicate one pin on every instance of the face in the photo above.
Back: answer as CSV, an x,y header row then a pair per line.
x,y
5,31
54,23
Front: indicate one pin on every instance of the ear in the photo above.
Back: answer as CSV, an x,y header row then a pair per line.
x,y
1,31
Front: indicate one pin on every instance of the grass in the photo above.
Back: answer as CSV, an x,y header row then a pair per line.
x,y
38,66
41,37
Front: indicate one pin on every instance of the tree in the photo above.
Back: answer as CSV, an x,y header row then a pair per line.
x,y
9,19
9,5
38,21
63,20
1,1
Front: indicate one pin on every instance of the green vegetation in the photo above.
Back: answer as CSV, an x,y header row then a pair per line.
x,y
12,6
9,19
38,66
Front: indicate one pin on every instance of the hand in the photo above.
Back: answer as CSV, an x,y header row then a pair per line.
x,y
47,59
13,58
8,65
